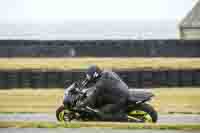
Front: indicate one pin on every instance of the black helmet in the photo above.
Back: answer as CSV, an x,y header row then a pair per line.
x,y
93,73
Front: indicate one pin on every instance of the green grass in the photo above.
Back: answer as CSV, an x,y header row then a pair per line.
x,y
166,100
100,125
108,63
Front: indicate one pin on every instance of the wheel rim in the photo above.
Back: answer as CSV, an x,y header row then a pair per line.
x,y
63,116
141,115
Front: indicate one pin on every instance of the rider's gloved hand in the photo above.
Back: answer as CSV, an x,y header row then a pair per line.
x,y
80,105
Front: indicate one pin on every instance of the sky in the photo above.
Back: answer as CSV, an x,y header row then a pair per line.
x,y
91,19
56,10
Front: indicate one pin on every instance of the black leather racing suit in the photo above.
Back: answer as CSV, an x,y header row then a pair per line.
x,y
110,97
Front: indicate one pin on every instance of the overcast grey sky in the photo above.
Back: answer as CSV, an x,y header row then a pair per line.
x,y
92,19
55,10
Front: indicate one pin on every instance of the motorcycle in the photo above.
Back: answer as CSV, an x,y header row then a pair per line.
x,y
138,110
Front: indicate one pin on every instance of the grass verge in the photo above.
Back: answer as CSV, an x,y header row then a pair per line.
x,y
166,100
100,125
108,63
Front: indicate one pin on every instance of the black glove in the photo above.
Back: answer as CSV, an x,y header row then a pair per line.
x,y
80,104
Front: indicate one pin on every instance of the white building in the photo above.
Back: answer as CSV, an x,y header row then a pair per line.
x,y
190,26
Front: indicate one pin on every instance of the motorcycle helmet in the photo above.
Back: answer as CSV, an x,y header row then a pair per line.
x,y
93,73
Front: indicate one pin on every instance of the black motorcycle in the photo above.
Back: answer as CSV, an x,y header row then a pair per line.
x,y
137,108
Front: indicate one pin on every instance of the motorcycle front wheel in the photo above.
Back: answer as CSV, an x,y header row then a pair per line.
x,y
63,114
144,113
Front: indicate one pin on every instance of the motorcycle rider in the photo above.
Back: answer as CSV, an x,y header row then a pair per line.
x,y
110,95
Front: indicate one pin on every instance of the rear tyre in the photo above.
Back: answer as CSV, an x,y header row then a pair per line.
x,y
144,113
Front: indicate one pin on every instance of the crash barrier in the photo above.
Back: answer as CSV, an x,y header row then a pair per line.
x,y
100,48
134,78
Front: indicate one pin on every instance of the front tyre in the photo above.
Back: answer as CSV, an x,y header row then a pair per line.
x,y
143,113
63,114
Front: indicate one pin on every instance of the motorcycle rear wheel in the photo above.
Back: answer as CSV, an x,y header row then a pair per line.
x,y
144,113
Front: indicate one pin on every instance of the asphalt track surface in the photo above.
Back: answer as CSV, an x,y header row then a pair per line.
x,y
172,118
175,118
86,130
